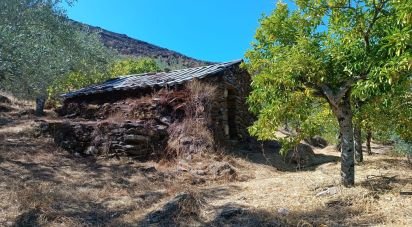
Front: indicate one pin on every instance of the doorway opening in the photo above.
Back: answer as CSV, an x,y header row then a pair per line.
x,y
231,113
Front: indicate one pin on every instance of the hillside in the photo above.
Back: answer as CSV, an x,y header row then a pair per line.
x,y
128,46
43,185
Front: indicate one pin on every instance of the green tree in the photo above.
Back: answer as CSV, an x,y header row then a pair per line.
x,y
39,45
79,79
322,52
134,66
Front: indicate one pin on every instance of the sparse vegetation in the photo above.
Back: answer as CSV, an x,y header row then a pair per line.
x,y
322,74
193,134
43,185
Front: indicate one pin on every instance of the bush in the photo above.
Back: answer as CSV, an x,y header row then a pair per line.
x,y
79,79
401,147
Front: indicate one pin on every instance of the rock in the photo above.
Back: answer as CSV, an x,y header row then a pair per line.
x,y
136,139
222,169
105,137
129,147
302,154
317,141
135,131
328,191
117,131
166,120
283,211
161,127
91,150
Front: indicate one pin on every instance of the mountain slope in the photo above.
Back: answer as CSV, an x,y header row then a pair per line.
x,y
128,46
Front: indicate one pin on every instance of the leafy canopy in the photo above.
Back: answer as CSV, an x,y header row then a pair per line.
x,y
323,51
79,79
39,45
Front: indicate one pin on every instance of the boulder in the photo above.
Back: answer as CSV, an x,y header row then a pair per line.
x,y
302,154
317,141
222,169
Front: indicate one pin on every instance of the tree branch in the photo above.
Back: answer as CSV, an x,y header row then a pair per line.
x,y
376,16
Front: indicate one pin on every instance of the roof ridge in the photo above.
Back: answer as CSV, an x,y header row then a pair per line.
x,y
151,79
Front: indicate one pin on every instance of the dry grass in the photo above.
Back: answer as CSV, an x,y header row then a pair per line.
x,y
16,102
192,135
45,186
374,201
42,184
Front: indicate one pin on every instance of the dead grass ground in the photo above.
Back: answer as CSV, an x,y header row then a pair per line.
x,y
41,185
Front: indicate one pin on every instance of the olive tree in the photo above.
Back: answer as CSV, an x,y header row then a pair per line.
x,y
322,52
79,79
38,44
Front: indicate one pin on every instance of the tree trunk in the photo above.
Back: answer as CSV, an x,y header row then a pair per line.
x,y
357,133
40,101
368,141
343,113
338,146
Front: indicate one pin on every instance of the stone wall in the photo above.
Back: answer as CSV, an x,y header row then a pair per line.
x,y
233,88
138,139
138,125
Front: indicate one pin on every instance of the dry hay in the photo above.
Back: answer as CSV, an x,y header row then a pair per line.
x,y
192,134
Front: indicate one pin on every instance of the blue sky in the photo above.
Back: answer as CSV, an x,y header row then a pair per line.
x,y
213,30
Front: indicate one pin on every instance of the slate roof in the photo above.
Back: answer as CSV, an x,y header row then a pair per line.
x,y
161,79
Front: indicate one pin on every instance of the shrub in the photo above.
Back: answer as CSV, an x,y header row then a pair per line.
x,y
79,79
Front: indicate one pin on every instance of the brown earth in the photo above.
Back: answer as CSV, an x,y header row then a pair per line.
x,y
42,185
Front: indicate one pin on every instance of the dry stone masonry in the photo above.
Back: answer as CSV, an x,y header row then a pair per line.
x,y
126,116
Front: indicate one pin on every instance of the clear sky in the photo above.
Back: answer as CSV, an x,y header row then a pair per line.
x,y
213,30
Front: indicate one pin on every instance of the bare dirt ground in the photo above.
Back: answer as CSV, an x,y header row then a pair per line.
x,y
42,185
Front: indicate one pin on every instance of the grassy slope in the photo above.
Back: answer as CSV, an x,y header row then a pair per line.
x,y
41,184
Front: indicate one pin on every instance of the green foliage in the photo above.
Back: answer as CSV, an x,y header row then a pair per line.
x,y
391,114
401,147
134,66
322,52
39,45
79,79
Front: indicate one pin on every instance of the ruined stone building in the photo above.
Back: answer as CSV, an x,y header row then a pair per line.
x,y
133,113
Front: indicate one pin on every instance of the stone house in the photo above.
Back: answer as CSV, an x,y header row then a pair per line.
x,y
229,114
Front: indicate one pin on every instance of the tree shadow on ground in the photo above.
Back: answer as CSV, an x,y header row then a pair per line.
x,y
334,213
42,173
268,154
387,163
82,213
380,184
